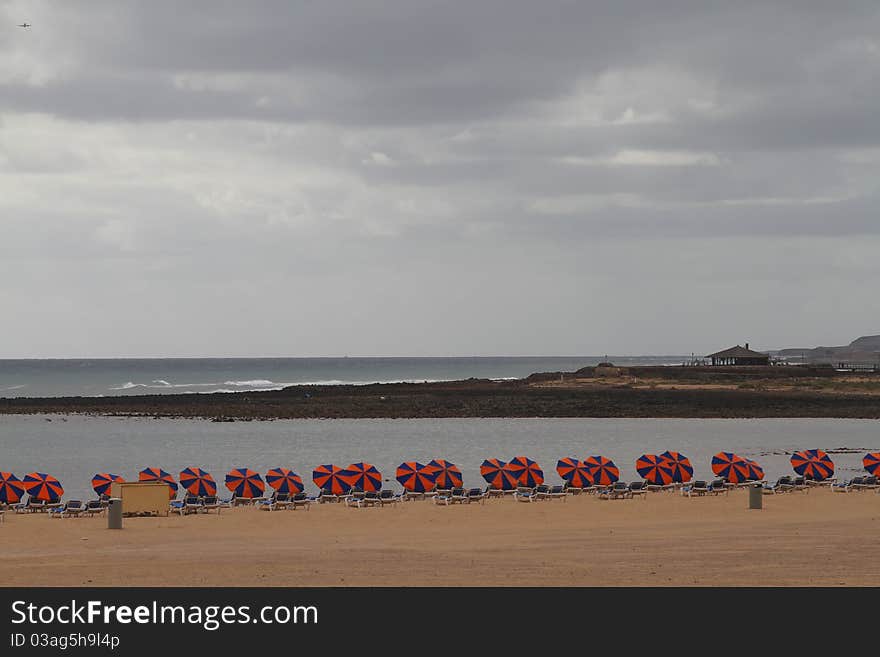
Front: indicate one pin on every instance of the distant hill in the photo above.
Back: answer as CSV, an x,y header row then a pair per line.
x,y
865,349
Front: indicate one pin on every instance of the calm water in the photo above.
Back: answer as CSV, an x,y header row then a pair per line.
x,y
104,377
74,448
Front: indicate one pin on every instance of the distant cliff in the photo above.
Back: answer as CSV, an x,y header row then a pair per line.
x,y
865,349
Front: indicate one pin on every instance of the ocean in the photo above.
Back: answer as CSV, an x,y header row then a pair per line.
x,y
74,448
131,376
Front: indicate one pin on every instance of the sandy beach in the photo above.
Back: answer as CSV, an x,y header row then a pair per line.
x,y
817,538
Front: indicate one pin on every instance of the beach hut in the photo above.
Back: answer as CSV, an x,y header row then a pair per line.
x,y
738,356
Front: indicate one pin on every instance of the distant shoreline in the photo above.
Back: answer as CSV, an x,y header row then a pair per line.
x,y
627,392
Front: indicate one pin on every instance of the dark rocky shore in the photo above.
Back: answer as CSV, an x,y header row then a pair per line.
x,y
541,395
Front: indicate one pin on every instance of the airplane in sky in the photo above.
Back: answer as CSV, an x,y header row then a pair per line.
x,y
25,25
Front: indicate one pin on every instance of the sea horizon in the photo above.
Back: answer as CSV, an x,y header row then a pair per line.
x,y
101,377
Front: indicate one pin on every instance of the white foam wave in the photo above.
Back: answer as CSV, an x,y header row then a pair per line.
x,y
251,383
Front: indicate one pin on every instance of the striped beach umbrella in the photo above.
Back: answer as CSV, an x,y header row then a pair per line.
x,y
654,469
415,477
158,474
244,482
42,486
602,471
682,470
754,472
364,476
198,482
871,461
527,472
285,480
448,474
330,477
574,472
496,475
730,467
103,481
813,464
11,488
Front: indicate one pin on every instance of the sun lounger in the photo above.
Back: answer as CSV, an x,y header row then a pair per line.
x,y
475,495
557,493
301,500
211,503
370,498
93,507
619,490
542,492
782,485
245,501
866,483
387,496
525,494
492,493
572,490
325,495
70,509
354,497
696,488
38,506
638,488
23,506
718,487
843,487
411,496
189,504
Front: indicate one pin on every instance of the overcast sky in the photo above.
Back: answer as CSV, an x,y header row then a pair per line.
x,y
492,177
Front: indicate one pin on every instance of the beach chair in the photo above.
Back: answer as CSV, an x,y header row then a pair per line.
x,y
244,501
572,490
639,488
557,493
782,485
354,497
476,495
619,490
525,494
492,493
387,496
3,514
70,509
39,506
370,498
842,487
93,507
542,492
411,496
23,506
458,496
211,503
443,499
867,483
718,487
696,488
326,496
189,504
301,500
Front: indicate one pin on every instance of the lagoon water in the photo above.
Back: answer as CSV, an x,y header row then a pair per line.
x,y
74,448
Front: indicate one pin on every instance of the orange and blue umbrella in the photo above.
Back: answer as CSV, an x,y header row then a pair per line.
x,y
11,488
754,472
158,474
285,480
42,486
495,473
527,472
574,472
102,482
364,476
654,469
812,463
682,470
871,461
330,477
448,474
730,467
416,477
602,471
245,483
198,482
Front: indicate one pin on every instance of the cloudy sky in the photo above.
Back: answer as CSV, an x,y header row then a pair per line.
x,y
409,177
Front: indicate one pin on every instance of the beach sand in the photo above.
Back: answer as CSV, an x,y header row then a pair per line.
x,y
815,538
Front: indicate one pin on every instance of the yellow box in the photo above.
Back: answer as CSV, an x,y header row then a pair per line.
x,y
142,497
